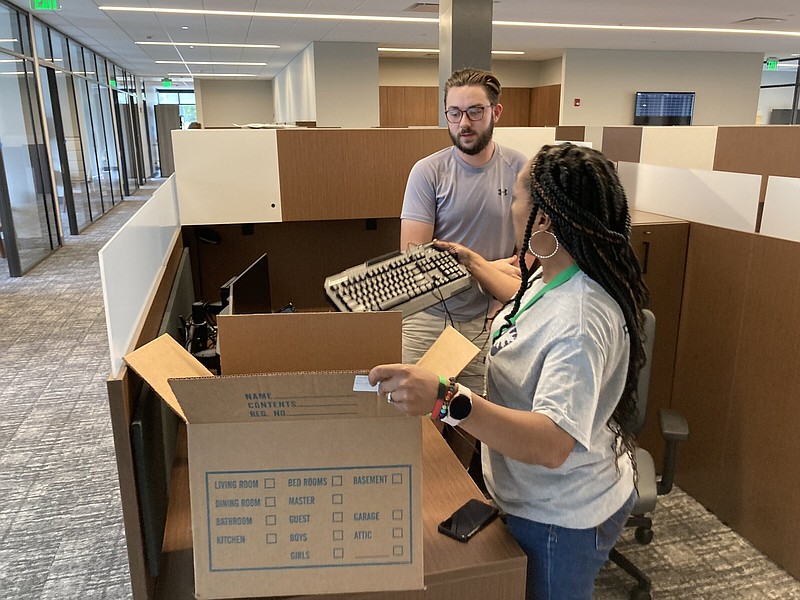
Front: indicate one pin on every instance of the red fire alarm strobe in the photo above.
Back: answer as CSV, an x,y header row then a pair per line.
x,y
576,102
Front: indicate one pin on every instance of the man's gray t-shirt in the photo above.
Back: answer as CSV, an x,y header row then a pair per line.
x,y
468,205
566,358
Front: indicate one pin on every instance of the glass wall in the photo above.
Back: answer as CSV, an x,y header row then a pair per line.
x,y
27,208
68,151
186,104
778,100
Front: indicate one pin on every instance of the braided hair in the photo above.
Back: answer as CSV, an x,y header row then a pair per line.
x,y
579,190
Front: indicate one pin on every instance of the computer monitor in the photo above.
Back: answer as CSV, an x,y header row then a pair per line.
x,y
249,292
663,108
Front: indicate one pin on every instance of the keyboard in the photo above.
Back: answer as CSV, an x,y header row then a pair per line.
x,y
406,281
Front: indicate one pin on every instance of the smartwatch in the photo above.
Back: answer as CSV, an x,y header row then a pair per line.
x,y
459,407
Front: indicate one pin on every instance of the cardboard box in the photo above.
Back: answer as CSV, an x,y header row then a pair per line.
x,y
299,483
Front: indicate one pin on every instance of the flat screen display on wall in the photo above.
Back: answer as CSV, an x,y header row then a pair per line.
x,y
663,108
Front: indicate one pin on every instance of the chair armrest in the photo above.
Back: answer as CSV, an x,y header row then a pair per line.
x,y
673,425
675,429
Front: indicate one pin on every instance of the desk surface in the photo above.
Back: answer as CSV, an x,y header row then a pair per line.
x,y
491,565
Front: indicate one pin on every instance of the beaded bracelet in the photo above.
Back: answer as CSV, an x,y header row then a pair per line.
x,y
451,391
440,394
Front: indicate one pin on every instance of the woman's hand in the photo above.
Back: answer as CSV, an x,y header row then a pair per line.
x,y
413,389
500,278
509,266
463,254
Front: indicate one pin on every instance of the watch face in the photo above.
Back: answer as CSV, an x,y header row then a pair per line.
x,y
460,407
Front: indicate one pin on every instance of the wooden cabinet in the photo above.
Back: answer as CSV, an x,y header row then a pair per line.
x,y
660,244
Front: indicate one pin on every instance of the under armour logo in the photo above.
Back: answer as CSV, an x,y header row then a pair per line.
x,y
502,191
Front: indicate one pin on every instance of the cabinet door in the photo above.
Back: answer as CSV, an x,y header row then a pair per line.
x,y
661,249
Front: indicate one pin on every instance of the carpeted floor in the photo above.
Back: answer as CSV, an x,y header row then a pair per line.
x,y
61,533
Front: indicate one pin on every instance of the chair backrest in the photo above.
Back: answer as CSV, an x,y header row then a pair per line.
x,y
643,386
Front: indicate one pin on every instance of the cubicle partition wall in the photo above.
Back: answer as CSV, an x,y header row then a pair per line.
x,y
735,370
737,382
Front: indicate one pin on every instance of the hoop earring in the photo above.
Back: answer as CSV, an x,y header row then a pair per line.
x,y
541,256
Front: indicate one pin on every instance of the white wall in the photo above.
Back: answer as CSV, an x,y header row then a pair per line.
x,y
294,89
408,71
551,71
346,84
517,73
223,103
425,72
727,84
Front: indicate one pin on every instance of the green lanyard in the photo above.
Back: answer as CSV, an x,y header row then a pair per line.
x,y
556,281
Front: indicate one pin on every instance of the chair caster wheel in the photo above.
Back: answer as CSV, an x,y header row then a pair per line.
x,y
639,593
644,535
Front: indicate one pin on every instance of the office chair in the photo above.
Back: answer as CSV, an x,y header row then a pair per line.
x,y
674,429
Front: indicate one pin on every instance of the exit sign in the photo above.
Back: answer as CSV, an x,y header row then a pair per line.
x,y
45,4
772,64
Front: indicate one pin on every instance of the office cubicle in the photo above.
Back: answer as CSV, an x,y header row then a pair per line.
x,y
720,327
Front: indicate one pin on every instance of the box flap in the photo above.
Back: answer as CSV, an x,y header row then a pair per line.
x,y
278,397
161,359
449,354
284,343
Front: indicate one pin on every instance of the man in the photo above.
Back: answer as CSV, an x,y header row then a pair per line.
x,y
462,194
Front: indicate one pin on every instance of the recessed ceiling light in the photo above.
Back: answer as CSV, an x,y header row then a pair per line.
x,y
210,62
206,75
622,27
207,45
184,27
272,15
436,50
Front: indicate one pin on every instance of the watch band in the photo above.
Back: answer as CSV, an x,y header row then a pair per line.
x,y
460,404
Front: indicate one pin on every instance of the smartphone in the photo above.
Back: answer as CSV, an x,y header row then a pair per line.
x,y
468,520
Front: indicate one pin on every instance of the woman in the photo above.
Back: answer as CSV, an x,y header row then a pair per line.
x,y
561,374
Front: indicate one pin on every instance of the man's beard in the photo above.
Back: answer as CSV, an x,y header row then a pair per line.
x,y
481,141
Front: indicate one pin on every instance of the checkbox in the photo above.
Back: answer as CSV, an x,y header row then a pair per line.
x,y
397,551
271,520
338,535
397,478
338,553
397,515
337,499
397,532
269,483
336,481
269,501
338,517
272,538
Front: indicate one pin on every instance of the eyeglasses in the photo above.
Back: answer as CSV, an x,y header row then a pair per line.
x,y
474,113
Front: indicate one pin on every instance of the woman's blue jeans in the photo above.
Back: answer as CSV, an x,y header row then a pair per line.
x,y
563,563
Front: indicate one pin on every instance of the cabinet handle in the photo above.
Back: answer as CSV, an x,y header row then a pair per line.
x,y
646,257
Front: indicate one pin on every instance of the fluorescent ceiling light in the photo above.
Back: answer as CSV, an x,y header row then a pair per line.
x,y
645,28
436,50
200,75
270,15
6,40
210,62
207,45
10,60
